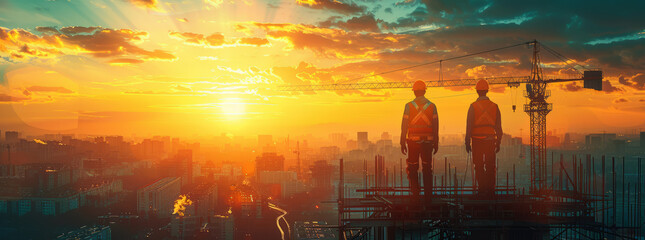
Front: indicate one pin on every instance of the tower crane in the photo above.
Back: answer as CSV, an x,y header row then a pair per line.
x,y
537,107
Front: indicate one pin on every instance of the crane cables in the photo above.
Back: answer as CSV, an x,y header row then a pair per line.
x,y
433,62
563,58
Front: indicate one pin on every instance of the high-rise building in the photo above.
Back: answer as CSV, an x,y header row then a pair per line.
x,y
361,140
265,143
321,174
222,227
269,162
386,136
338,139
11,136
158,198
643,140
184,159
599,141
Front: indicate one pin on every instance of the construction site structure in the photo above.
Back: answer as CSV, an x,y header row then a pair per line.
x,y
536,83
589,198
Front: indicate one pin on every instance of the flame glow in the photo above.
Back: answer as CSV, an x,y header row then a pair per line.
x,y
180,205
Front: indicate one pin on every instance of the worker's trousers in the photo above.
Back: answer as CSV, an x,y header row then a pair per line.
x,y
485,169
423,150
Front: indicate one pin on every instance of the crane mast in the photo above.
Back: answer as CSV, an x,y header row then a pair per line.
x,y
536,93
537,109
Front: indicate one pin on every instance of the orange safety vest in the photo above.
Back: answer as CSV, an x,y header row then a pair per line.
x,y
485,119
420,121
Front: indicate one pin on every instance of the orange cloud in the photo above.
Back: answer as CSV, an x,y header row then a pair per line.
x,y
48,89
334,5
337,43
637,81
216,40
98,42
253,41
124,61
146,4
620,100
5,98
213,40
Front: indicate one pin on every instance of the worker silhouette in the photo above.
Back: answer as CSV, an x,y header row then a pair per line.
x,y
420,131
484,128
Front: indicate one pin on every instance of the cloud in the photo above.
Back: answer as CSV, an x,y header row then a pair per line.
x,y
367,23
637,81
49,89
125,61
146,4
214,3
77,30
607,87
4,98
620,100
98,42
213,40
333,5
165,93
571,87
253,41
181,88
336,43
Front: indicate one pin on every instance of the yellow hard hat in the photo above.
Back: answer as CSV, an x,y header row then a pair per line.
x,y
419,85
481,85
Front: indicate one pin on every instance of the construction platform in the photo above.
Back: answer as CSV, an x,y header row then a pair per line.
x,y
460,213
572,207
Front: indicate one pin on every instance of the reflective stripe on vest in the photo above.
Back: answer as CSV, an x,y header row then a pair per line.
x,y
485,118
420,121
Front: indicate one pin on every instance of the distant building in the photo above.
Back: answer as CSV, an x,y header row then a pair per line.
x,y
265,143
362,141
386,136
338,139
287,181
184,227
351,145
222,227
552,141
599,141
330,153
151,149
51,205
88,233
185,159
642,140
269,162
250,207
11,136
321,174
180,165
158,198
204,199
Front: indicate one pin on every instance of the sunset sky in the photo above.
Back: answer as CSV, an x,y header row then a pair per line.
x,y
186,68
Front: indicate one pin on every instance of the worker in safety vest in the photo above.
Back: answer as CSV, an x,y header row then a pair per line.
x,y
484,128
420,132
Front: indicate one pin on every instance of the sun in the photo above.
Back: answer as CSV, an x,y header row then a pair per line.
x,y
233,108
